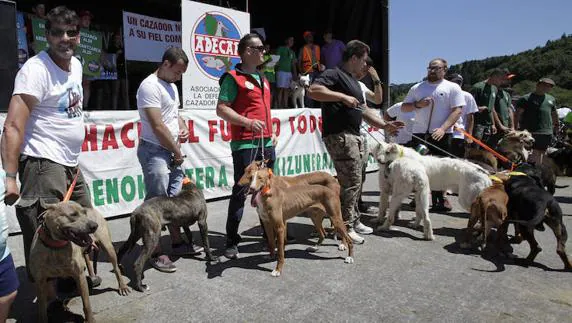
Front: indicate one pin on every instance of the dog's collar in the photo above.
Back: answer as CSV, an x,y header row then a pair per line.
x,y
516,174
48,241
495,179
400,151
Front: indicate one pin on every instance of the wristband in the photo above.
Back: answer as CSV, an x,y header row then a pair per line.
x,y
11,175
377,82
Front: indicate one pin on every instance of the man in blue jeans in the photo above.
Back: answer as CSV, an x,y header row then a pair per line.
x,y
244,102
159,152
9,282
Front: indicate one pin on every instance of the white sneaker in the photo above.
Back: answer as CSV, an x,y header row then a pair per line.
x,y
362,228
356,238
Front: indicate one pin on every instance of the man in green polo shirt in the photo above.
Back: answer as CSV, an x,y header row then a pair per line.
x,y
536,112
485,93
504,116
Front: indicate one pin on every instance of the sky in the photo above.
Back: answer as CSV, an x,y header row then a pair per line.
x,y
461,30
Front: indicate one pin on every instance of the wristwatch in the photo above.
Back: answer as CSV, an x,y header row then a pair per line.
x,y
377,82
12,175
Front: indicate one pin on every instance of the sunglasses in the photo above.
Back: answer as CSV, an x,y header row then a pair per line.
x,y
72,33
258,48
436,68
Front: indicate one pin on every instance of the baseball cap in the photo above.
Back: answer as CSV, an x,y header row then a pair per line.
x,y
547,81
307,33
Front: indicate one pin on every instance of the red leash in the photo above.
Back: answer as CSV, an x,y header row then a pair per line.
x,y
72,186
480,143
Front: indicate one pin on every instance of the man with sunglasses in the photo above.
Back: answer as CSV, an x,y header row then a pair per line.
x,y
438,105
244,101
44,128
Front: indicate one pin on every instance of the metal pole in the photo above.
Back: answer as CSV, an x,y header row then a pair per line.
x,y
385,51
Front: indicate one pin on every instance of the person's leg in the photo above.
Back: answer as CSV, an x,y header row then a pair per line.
x,y
346,152
9,284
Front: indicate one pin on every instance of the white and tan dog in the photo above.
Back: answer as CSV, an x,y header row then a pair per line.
x,y
298,89
456,175
398,179
516,145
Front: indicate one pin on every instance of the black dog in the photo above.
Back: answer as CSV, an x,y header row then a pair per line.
x,y
529,206
147,220
544,175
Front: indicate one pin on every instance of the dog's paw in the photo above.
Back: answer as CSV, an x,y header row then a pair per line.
x,y
142,288
124,290
349,260
429,237
275,273
342,247
312,249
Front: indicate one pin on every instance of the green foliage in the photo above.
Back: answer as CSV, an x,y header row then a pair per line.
x,y
553,60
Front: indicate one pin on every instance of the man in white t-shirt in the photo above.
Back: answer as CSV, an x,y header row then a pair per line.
x,y
396,113
44,128
466,121
159,152
437,104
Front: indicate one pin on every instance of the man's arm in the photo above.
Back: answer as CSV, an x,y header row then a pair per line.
x,y
439,133
498,123
372,117
555,121
162,133
183,129
323,94
19,110
470,125
376,96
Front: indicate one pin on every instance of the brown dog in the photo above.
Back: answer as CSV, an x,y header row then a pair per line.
x,y
481,156
279,201
490,209
516,145
58,251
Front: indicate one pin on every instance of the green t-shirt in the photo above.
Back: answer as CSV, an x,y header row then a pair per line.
x,y
537,115
286,57
227,93
502,107
485,95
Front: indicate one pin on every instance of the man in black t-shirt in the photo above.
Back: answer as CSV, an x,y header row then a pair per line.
x,y
342,112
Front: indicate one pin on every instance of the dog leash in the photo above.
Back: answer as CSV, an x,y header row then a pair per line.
x,y
72,186
489,149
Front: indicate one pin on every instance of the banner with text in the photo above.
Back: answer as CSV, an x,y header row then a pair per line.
x,y
88,50
112,171
210,38
22,41
146,38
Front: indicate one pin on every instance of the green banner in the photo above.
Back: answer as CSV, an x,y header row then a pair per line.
x,y
88,51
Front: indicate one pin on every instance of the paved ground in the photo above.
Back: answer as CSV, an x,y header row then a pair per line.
x,y
396,277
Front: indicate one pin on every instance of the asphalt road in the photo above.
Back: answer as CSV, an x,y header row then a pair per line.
x,y
396,277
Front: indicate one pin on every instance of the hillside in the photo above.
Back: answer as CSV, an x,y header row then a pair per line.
x,y
553,60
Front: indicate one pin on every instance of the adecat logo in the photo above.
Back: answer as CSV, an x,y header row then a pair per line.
x,y
214,42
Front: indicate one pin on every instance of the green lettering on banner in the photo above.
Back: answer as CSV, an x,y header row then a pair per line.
x,y
128,188
189,173
199,177
209,177
222,181
307,166
112,191
141,186
318,162
277,168
298,161
290,166
98,192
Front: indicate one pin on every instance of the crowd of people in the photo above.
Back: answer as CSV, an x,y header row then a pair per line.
x,y
44,128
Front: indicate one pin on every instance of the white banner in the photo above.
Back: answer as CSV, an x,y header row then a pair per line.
x,y
210,38
146,38
113,173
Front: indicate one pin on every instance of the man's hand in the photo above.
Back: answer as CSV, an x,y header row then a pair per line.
x,y
503,129
177,159
12,191
393,127
438,134
423,103
371,70
468,140
183,134
350,101
494,129
256,126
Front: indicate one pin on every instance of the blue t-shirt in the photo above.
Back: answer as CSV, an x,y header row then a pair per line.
x,y
4,251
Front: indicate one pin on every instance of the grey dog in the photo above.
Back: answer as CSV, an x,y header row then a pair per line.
x,y
147,220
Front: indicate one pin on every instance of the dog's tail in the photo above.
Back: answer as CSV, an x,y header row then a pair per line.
x,y
561,186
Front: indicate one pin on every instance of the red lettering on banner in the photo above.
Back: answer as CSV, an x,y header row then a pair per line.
x,y
320,124
276,126
372,129
212,129
225,133
90,140
125,135
302,125
192,137
291,119
313,124
109,138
